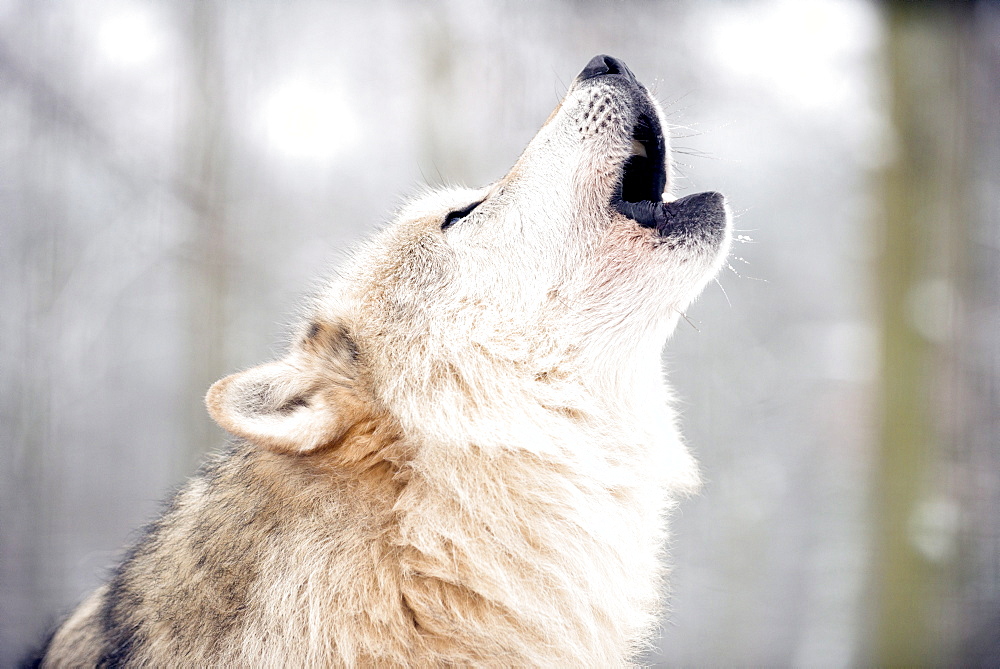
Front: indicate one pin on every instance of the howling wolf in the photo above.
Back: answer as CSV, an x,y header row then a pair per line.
x,y
467,454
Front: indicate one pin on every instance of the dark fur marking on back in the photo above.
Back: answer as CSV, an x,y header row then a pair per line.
x,y
122,638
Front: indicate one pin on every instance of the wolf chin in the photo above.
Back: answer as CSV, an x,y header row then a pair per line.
x,y
467,455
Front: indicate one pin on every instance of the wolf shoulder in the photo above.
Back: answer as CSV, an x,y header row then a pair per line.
x,y
253,533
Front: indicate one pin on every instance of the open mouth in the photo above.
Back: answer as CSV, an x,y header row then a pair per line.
x,y
645,176
640,193
639,196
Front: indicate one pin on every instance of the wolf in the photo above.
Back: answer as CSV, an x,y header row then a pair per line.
x,y
467,455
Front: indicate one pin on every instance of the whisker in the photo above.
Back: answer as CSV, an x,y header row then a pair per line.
x,y
751,278
563,87
694,152
671,103
723,289
689,321
688,128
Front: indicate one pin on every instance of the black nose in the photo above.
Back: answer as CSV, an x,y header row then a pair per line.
x,y
601,65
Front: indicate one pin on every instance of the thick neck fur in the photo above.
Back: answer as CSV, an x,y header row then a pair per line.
x,y
538,497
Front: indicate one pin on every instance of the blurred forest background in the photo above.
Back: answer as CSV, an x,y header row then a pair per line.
x,y
176,176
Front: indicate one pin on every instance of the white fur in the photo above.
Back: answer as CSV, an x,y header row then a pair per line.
x,y
523,458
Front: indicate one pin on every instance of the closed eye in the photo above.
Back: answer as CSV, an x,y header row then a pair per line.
x,y
457,215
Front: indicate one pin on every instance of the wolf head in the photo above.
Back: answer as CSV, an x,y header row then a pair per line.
x,y
488,313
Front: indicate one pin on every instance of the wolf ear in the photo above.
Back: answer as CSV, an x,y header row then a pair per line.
x,y
280,406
